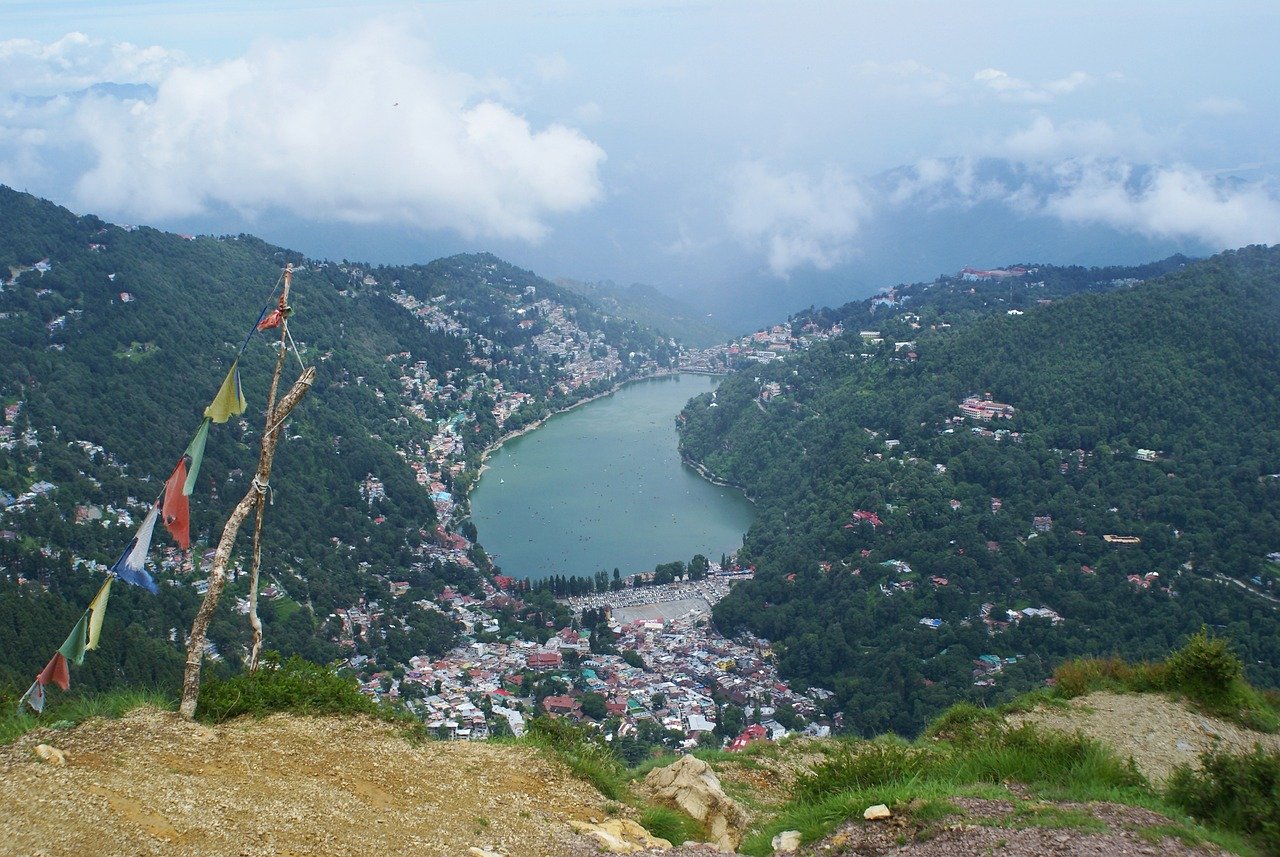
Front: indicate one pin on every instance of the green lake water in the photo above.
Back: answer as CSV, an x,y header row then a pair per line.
x,y
602,487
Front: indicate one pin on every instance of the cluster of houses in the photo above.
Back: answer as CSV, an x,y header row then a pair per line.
x,y
763,346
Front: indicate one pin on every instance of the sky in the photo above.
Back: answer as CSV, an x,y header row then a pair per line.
x,y
681,144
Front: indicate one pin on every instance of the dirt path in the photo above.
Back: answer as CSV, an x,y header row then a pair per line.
x,y
1155,731
151,783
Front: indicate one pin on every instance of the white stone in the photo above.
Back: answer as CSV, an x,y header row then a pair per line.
x,y
787,841
52,755
877,812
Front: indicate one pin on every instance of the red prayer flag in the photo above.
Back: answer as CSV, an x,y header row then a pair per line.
x,y
271,319
56,671
176,510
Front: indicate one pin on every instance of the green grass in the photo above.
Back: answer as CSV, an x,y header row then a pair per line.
x,y
74,711
969,752
670,824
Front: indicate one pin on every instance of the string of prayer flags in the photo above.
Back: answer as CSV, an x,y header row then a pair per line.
x,y
33,697
97,612
195,452
56,672
132,565
77,641
230,399
177,508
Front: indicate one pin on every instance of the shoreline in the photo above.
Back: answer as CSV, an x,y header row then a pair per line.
x,y
713,479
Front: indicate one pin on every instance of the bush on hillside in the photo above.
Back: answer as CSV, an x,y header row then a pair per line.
x,y
294,687
1205,668
1240,793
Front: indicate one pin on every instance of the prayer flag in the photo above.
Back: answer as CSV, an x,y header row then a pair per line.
x,y
177,509
97,611
33,697
56,671
196,453
271,319
132,565
77,641
230,398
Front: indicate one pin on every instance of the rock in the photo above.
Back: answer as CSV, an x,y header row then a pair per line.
x,y
689,785
620,835
483,852
787,841
877,812
52,755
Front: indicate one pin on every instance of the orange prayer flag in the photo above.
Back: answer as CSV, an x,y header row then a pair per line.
x,y
177,509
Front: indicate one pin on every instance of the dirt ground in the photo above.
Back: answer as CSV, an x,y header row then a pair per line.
x,y
151,783
1155,731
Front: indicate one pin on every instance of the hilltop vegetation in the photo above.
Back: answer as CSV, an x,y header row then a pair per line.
x,y
976,522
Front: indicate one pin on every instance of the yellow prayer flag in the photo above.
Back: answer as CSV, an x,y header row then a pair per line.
x,y
230,398
97,611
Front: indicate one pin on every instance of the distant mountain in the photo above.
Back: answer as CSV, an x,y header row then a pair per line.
x,y
654,309
981,477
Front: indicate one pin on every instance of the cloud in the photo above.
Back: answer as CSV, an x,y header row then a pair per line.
x,y
551,67
364,128
1043,140
797,219
1009,88
1170,202
944,183
910,78
1216,106
77,61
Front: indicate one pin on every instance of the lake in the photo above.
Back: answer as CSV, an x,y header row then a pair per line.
x,y
602,486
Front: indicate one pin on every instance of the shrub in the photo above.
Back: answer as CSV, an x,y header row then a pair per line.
x,y
294,687
1205,668
965,723
1238,792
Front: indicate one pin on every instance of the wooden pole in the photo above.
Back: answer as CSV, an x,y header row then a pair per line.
x,y
270,428
222,555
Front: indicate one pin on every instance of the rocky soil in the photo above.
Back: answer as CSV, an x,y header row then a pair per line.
x,y
1155,731
151,783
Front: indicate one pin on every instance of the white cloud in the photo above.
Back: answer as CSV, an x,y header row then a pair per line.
x,y
1043,140
77,61
910,78
1170,202
1010,88
552,67
364,128
797,219
1217,106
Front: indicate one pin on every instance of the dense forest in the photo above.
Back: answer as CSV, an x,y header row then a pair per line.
x,y
113,339
909,554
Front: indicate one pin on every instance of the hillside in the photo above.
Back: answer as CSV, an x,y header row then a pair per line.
x,y
113,339
910,552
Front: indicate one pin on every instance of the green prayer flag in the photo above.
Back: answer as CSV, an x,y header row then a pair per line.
x,y
230,398
73,648
196,453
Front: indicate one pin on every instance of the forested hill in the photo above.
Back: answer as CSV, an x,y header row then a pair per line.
x,y
113,340
1131,488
